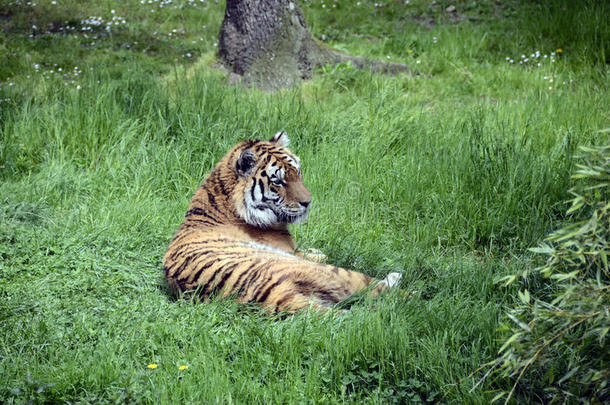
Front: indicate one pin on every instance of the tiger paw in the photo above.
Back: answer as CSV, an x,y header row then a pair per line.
x,y
392,280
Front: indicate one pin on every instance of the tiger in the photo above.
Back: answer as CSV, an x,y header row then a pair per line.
x,y
235,242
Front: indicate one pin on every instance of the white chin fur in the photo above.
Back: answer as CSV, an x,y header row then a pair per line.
x,y
267,218
260,218
301,218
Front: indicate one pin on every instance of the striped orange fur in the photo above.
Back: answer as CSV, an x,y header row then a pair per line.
x,y
234,240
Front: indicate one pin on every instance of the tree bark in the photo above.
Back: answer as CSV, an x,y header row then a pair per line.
x,y
266,43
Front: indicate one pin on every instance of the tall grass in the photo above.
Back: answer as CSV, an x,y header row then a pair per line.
x,y
448,176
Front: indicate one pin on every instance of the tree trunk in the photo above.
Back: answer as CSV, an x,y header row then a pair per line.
x,y
267,44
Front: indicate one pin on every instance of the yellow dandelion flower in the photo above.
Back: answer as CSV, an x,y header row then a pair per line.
x,y
152,366
559,50
183,367
409,50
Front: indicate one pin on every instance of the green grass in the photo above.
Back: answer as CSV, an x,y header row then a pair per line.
x,y
448,175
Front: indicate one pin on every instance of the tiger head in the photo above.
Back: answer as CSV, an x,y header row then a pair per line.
x,y
270,191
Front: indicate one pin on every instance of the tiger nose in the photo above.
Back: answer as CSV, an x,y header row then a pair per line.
x,y
305,204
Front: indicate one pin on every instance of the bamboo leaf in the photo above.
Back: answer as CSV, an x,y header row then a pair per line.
x,y
565,276
524,296
509,341
568,375
509,279
521,324
498,396
543,248
576,205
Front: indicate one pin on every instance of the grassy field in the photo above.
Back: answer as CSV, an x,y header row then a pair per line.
x,y
111,114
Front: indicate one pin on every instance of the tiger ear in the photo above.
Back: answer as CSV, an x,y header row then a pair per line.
x,y
281,139
245,162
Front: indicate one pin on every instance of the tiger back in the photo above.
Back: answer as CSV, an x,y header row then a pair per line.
x,y
234,240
